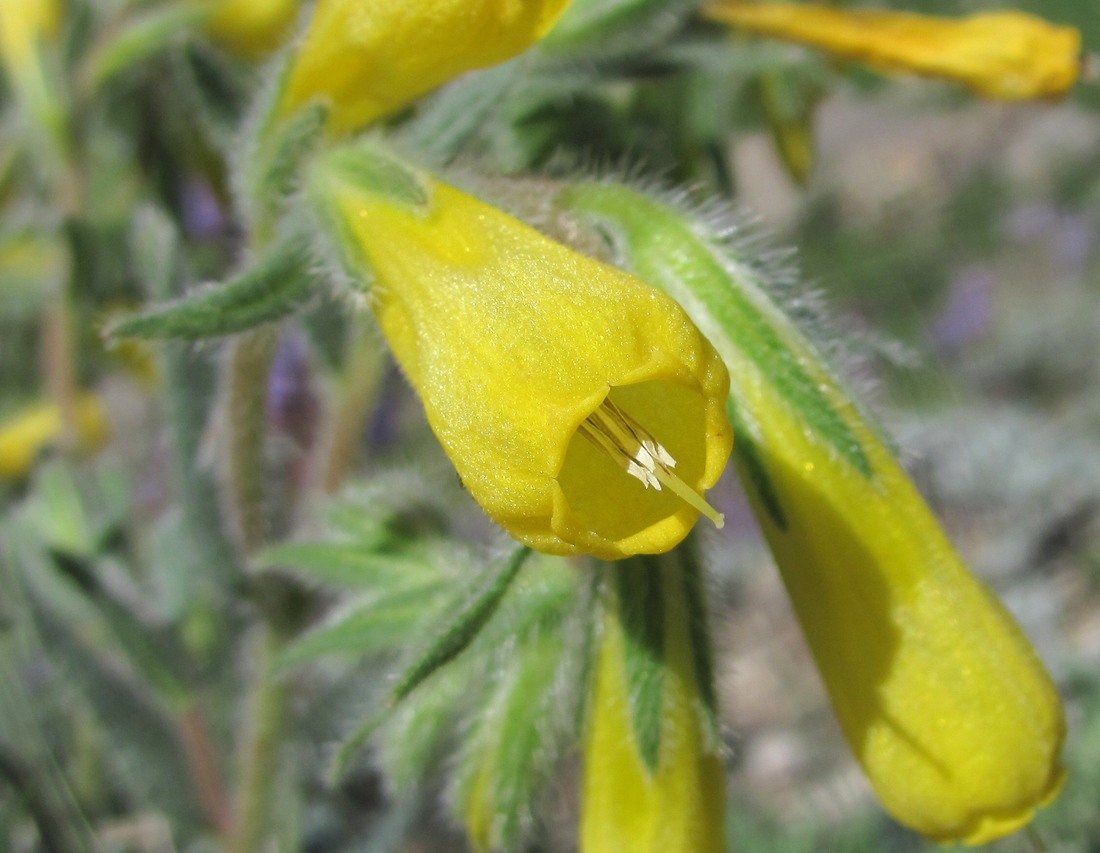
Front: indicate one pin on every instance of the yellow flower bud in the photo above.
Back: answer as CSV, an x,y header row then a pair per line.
x,y
998,54
939,693
368,58
677,805
581,407
252,28
25,435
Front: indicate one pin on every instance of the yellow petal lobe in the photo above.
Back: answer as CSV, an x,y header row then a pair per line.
x,y
1008,55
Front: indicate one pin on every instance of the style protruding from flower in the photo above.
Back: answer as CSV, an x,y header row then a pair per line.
x,y
581,407
369,58
1008,54
941,697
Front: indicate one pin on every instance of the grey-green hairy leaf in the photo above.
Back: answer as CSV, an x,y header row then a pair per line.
x,y
392,621
346,566
277,286
454,637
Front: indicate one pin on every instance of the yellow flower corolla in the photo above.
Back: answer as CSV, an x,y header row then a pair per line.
x,y
369,58
997,54
581,407
677,807
939,693
942,699
24,435
251,28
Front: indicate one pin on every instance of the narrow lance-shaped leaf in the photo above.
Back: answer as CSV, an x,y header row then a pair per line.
x,y
390,622
445,646
274,288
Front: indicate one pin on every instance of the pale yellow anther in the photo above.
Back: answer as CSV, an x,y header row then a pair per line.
x,y
632,447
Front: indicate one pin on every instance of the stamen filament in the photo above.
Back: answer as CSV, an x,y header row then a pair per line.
x,y
640,454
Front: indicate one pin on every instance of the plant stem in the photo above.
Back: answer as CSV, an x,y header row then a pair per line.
x,y
250,363
357,398
203,758
263,736
249,366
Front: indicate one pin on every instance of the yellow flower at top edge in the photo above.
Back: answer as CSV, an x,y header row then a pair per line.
x,y
581,407
368,58
23,23
1007,54
252,28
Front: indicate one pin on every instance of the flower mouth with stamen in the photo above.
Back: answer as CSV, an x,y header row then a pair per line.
x,y
636,466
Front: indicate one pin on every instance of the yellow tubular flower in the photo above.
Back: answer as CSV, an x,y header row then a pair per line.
x,y
942,698
368,58
940,695
581,407
677,804
252,28
998,54
24,436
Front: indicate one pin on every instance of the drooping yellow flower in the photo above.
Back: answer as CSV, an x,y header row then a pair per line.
x,y
368,58
671,801
581,407
25,435
939,693
998,54
251,28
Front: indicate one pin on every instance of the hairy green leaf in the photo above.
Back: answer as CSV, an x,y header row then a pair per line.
x,y
274,288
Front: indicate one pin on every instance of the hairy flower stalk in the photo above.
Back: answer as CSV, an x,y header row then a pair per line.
x,y
997,54
369,58
581,407
941,697
653,778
